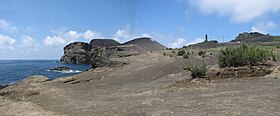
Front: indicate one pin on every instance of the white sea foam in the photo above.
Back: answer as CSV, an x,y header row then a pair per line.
x,y
65,71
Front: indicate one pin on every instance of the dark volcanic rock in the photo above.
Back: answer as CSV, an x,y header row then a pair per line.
x,y
77,53
100,51
104,42
60,68
145,43
253,37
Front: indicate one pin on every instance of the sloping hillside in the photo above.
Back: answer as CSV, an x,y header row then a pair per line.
x,y
147,44
104,42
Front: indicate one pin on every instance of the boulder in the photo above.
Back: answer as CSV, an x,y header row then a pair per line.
x,y
60,68
275,73
213,71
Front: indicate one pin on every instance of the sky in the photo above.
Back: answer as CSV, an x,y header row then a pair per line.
x,y
39,29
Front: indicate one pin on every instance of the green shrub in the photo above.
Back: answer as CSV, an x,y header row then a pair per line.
x,y
273,55
244,55
181,52
200,53
186,56
197,71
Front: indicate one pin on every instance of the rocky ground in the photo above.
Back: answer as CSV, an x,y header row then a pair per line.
x,y
147,84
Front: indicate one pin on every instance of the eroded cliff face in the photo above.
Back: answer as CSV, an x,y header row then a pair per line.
x,y
100,51
253,37
77,53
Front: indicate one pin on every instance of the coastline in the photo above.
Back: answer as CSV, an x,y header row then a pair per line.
x,y
148,85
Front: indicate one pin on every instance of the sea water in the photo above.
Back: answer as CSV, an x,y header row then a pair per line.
x,y
12,71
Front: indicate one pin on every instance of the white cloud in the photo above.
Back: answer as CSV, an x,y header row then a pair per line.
x,y
27,41
28,29
63,37
54,41
178,43
4,25
195,41
146,35
238,10
29,45
73,35
126,34
264,27
6,42
123,35
89,35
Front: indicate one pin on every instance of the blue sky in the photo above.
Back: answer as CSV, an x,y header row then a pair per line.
x,y
33,29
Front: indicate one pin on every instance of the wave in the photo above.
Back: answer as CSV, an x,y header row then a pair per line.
x,y
65,71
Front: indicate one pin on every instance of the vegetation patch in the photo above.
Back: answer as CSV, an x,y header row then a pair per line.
x,y
245,55
200,53
197,71
181,52
186,56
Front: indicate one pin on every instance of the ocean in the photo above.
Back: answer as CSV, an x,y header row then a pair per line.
x,y
12,71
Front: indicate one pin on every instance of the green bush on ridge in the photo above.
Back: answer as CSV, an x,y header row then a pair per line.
x,y
244,55
181,52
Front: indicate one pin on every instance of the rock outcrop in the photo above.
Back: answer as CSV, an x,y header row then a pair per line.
x,y
229,72
25,88
100,51
253,37
77,53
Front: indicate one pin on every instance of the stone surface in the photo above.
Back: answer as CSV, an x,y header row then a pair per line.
x,y
60,68
76,53
25,88
253,37
100,51
34,79
216,72
104,42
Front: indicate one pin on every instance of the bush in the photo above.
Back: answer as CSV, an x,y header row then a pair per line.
x,y
197,71
181,52
186,56
244,55
200,53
